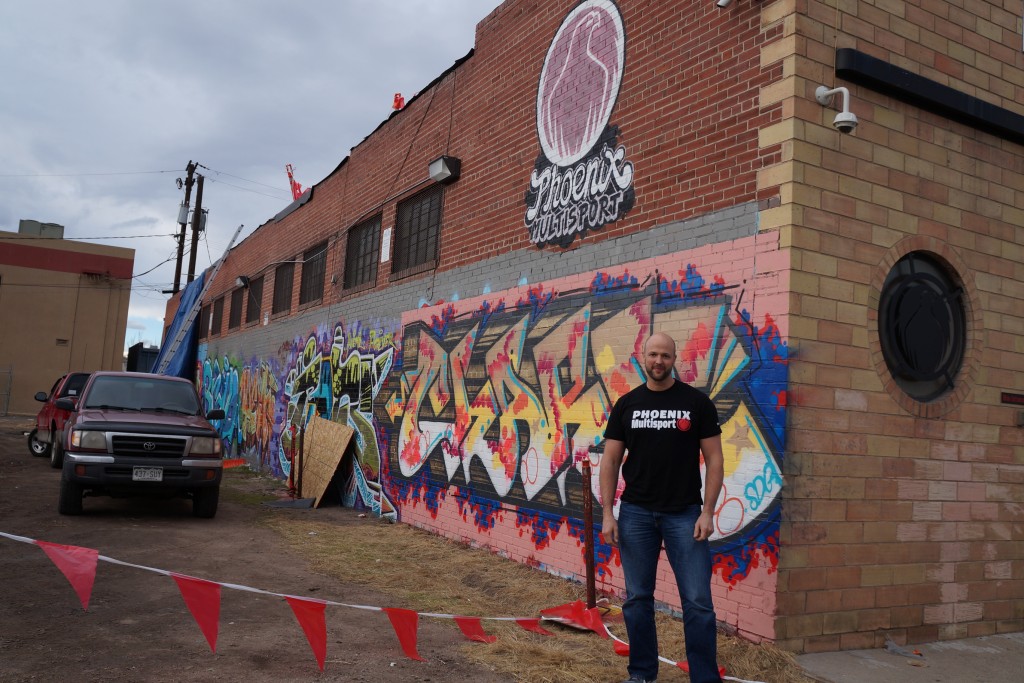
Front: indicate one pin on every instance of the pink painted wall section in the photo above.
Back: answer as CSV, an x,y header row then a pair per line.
x,y
495,401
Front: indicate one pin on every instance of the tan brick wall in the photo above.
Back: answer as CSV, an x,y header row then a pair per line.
x,y
899,518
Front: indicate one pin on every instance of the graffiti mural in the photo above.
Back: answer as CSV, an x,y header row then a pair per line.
x,y
500,400
329,376
333,372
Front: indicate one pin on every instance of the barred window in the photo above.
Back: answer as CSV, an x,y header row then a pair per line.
x,y
237,300
362,252
254,306
204,322
283,287
218,315
418,229
314,263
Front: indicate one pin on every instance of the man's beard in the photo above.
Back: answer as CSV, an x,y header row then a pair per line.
x,y
659,375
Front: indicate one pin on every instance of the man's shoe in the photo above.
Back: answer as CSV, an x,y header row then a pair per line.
x,y
640,679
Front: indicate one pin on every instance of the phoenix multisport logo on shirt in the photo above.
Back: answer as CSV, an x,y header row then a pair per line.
x,y
582,180
661,419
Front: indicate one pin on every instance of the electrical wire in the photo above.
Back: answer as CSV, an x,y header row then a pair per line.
x,y
103,237
79,175
246,189
254,182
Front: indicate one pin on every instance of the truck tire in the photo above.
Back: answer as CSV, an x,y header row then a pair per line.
x,y
56,451
35,446
204,502
70,501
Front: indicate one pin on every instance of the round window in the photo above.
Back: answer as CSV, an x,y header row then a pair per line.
x,y
922,325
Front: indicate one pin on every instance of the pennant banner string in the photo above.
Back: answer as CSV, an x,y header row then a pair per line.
x,y
529,623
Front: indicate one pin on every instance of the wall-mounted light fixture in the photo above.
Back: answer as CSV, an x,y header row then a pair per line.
x,y
241,281
722,4
845,121
445,169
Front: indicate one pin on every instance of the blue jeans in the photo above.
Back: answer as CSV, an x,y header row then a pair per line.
x,y
641,533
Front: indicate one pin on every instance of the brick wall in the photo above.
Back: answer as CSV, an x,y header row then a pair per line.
x,y
902,517
471,416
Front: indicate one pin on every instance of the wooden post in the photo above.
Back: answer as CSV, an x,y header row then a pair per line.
x,y
588,534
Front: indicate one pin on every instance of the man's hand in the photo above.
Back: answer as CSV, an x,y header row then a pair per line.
x,y
610,530
704,527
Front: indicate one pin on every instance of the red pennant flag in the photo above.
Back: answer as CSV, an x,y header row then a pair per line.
x,y
405,622
621,648
686,667
472,629
77,564
310,615
576,614
533,625
203,600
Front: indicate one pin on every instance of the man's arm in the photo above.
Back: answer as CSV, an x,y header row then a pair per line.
x,y
714,464
610,464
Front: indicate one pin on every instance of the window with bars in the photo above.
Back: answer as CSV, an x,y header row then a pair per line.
x,y
254,307
418,229
283,275
237,300
362,253
204,322
218,315
314,264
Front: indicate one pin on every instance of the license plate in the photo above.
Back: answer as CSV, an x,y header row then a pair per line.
x,y
147,474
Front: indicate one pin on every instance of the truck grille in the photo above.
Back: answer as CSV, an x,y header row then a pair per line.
x,y
148,446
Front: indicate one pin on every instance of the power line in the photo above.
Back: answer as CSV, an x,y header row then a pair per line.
x,y
254,182
246,189
78,175
72,239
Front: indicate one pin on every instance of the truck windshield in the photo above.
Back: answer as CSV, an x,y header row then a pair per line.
x,y
143,394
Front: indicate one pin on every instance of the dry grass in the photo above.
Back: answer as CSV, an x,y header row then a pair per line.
x,y
428,573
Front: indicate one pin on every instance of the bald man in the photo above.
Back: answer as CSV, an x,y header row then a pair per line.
x,y
665,425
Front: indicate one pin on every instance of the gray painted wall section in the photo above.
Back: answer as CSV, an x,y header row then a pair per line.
x,y
384,308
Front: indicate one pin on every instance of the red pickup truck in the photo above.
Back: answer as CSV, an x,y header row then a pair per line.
x,y
139,434
50,419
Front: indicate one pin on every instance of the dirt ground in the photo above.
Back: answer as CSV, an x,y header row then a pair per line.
x,y
137,627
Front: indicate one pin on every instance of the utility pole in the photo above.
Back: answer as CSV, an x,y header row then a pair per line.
x,y
183,220
197,217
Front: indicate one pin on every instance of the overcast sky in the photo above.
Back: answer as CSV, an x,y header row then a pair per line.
x,y
102,105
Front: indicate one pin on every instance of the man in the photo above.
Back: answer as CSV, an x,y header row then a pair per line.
x,y
665,425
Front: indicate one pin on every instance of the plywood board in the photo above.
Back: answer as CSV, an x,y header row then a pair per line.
x,y
323,446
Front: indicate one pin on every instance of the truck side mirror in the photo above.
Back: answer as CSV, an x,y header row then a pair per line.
x,y
65,404
41,397
215,414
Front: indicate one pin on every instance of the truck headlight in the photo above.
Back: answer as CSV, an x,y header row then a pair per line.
x,y
89,441
206,445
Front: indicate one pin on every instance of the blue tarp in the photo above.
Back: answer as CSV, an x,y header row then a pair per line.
x,y
182,360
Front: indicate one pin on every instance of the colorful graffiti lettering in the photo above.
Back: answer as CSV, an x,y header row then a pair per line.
x,y
509,399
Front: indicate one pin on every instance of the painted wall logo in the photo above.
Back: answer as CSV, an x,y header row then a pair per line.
x,y
582,180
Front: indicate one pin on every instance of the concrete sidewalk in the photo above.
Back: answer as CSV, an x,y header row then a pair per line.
x,y
990,659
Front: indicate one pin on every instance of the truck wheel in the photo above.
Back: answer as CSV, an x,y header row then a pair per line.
x,y
70,501
204,502
56,451
35,446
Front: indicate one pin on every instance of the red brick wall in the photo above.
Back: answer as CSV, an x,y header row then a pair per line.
x,y
688,111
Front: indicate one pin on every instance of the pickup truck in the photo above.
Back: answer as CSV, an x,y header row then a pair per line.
x,y
50,419
139,434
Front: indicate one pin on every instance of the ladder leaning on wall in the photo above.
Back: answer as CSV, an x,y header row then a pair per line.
x,y
197,305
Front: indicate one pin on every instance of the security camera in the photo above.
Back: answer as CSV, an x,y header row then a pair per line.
x,y
845,121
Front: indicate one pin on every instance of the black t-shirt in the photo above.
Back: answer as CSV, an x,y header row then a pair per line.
x,y
662,432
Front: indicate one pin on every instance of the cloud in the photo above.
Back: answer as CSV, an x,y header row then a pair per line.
x,y
105,104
